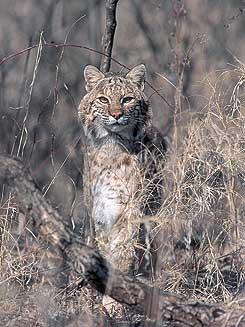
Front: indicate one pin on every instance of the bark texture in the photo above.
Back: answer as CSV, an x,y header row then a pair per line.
x,y
108,37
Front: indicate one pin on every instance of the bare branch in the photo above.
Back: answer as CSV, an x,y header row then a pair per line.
x,y
71,45
108,37
57,46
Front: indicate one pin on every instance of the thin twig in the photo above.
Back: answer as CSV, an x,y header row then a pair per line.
x,y
71,45
24,132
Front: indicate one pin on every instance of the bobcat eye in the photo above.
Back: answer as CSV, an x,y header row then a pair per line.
x,y
103,100
127,99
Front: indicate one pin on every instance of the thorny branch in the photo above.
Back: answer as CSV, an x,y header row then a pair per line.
x,y
87,262
108,37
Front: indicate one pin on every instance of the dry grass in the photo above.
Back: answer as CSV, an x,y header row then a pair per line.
x,y
199,230
29,294
201,222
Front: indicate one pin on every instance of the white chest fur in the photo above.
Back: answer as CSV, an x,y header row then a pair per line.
x,y
115,179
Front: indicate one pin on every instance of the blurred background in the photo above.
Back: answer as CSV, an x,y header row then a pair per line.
x,y
181,43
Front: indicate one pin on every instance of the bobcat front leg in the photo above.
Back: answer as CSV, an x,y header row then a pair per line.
x,y
120,250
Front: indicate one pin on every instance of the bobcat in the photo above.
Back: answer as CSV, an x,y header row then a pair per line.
x,y
123,148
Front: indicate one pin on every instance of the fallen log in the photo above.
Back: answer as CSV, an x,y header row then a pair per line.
x,y
88,264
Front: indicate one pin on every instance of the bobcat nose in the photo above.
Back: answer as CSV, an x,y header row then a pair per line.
x,y
116,115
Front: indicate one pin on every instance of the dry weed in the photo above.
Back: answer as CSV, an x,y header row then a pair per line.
x,y
201,223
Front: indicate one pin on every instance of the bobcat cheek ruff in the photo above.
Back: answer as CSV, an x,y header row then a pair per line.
x,y
118,102
121,144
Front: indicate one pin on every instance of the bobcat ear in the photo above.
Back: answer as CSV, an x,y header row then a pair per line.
x,y
92,76
138,75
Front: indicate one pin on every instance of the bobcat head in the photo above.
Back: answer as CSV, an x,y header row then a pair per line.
x,y
115,103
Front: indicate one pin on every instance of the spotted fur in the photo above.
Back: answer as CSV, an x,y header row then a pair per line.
x,y
122,149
